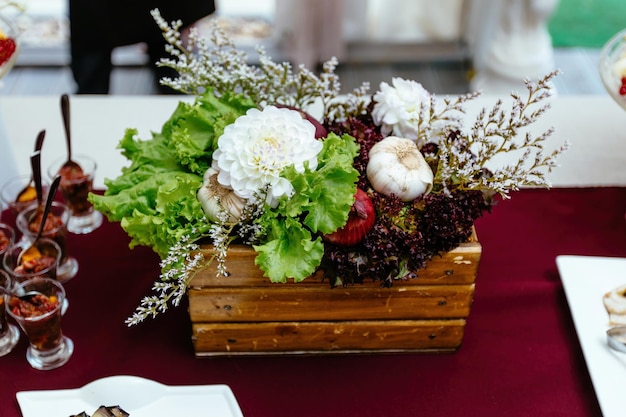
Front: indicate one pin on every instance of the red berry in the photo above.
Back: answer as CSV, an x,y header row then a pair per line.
x,y
7,48
622,90
360,220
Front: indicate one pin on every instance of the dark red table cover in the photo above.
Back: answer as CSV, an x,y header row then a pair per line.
x,y
520,356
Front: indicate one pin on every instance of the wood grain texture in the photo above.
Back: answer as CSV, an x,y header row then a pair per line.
x,y
231,304
212,339
246,314
459,266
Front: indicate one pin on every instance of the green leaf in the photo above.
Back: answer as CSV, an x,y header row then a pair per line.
x,y
321,204
154,198
332,198
290,252
156,212
192,132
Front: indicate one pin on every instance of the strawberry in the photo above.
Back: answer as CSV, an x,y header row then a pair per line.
x,y
7,48
622,88
360,220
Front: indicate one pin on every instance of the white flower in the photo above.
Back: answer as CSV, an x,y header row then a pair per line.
x,y
253,151
398,108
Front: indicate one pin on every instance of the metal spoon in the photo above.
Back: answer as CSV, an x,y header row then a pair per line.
x,y
25,296
31,252
69,165
26,192
35,164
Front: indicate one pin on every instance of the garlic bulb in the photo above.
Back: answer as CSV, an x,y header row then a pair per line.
x,y
397,167
217,199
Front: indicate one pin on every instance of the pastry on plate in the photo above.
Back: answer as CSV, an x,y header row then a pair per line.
x,y
615,304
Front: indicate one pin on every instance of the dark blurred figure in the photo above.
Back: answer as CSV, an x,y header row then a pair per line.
x,y
99,26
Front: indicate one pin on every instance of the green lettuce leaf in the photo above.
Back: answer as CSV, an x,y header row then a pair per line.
x,y
154,198
290,251
192,132
158,211
322,198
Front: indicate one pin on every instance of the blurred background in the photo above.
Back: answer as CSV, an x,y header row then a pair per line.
x,y
446,46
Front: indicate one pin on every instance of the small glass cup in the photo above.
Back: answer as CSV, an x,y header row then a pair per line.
x,y
13,187
40,319
612,67
8,28
76,184
7,238
47,247
68,266
9,334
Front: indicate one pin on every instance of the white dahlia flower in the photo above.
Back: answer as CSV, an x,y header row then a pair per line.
x,y
398,108
253,151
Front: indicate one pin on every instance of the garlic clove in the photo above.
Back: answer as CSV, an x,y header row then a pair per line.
x,y
397,167
217,200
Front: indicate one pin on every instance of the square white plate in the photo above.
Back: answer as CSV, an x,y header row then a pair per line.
x,y
137,396
586,279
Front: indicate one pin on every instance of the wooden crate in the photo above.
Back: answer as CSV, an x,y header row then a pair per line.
x,y
246,314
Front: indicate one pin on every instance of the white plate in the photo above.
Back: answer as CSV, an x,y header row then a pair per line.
x,y
586,279
139,397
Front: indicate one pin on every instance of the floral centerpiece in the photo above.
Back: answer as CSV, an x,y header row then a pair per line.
x,y
372,187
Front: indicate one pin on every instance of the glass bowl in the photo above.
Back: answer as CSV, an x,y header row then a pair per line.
x,y
8,52
612,67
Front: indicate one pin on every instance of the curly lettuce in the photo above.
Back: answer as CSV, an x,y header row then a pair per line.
x,y
154,198
292,247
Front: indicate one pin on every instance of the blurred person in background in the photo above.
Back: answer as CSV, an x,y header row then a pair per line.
x,y
99,26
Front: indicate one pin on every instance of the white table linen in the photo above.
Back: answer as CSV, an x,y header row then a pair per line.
x,y
595,126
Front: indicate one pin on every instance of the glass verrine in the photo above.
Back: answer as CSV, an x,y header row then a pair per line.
x,y
9,34
9,334
12,188
39,316
7,238
612,67
46,267
55,229
76,184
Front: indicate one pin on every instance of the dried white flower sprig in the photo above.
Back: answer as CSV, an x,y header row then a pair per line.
x,y
176,272
215,61
467,159
186,258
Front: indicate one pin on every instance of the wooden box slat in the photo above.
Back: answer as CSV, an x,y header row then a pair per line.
x,y
231,304
246,314
459,266
298,337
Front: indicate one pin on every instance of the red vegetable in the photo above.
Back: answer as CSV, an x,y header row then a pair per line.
x,y
360,220
320,130
7,48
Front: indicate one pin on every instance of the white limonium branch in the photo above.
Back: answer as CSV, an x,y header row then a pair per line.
x,y
177,270
464,157
214,61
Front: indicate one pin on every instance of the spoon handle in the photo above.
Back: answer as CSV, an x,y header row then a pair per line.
x,y
39,140
65,112
35,164
46,210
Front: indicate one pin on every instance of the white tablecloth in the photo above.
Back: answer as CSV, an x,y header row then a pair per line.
x,y
595,126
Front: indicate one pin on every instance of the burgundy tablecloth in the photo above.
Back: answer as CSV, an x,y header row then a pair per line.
x,y
520,355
